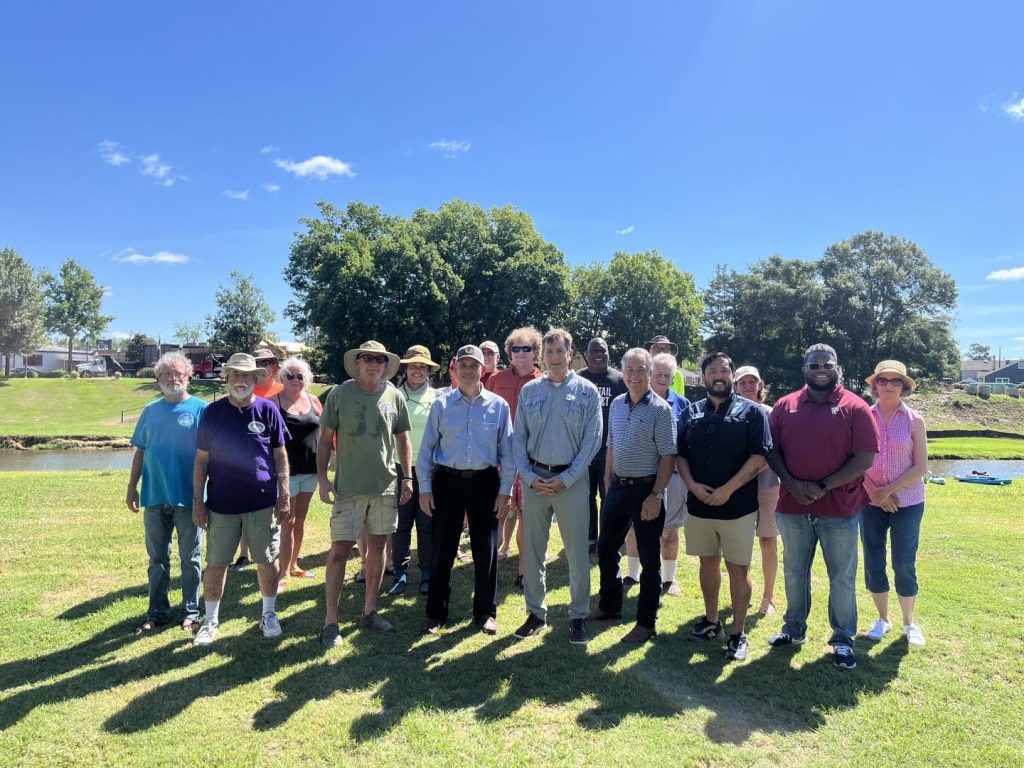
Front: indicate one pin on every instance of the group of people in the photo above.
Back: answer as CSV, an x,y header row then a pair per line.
x,y
537,442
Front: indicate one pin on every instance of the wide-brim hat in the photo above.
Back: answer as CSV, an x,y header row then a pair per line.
x,y
747,370
891,366
417,353
376,348
663,340
244,363
265,353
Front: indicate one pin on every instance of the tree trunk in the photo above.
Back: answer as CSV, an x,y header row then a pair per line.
x,y
71,341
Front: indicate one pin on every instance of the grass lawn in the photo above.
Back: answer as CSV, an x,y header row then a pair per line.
x,y
975,448
77,690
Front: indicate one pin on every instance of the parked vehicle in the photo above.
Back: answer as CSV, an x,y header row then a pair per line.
x,y
101,366
209,368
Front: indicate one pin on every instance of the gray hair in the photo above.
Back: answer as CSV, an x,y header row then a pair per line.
x,y
664,358
173,359
295,363
643,354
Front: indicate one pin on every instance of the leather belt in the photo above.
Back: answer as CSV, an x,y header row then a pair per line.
x,y
463,473
556,468
635,480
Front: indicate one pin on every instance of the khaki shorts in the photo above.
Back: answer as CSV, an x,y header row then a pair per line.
x,y
732,539
350,513
767,499
675,502
262,533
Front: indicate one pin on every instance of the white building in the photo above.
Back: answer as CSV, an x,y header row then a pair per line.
x,y
50,357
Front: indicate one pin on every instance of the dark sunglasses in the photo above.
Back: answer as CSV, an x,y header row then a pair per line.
x,y
881,381
526,348
293,376
829,366
378,359
265,363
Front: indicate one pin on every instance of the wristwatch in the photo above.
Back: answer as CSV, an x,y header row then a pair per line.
x,y
659,495
821,484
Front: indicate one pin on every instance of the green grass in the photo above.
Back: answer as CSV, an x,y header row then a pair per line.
x,y
77,690
975,448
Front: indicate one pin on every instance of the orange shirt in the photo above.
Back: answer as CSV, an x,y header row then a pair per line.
x,y
507,384
268,390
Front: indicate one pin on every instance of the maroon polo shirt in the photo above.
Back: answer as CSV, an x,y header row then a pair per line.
x,y
816,439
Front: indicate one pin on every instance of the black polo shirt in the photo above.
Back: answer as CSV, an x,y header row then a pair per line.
x,y
716,443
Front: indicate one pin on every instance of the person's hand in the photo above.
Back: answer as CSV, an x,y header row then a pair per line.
x,y
427,503
132,499
502,505
282,508
406,493
798,492
326,490
889,504
200,515
651,508
554,484
701,491
879,495
719,496
539,484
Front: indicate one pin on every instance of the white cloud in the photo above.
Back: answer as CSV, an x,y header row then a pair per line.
x,y
1015,109
130,256
269,150
112,154
234,195
153,166
1018,338
625,231
107,291
320,166
451,148
120,335
1017,273
271,187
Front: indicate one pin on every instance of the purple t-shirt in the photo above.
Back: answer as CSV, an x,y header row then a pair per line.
x,y
241,442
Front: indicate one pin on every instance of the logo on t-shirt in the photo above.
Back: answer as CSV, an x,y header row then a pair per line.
x,y
186,420
835,410
257,427
386,409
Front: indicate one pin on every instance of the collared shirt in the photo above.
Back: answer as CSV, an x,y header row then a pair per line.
x,y
508,384
679,404
610,385
716,443
467,435
816,439
639,434
896,454
557,424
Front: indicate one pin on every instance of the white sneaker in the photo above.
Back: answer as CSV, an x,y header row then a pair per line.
x,y
206,633
914,635
879,629
270,625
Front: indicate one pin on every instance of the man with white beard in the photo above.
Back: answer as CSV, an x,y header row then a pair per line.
x,y
240,451
165,450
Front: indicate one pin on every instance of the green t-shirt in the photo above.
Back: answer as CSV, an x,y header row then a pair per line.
x,y
366,424
418,404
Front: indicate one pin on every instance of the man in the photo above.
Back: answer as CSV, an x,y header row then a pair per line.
x,y
557,433
371,420
724,442
825,440
610,385
241,460
661,345
165,452
641,451
523,349
491,360
467,438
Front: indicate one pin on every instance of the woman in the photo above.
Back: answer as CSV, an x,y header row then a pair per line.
x,y
748,384
419,396
301,411
895,486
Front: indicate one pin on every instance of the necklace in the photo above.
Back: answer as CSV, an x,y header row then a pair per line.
x,y
408,393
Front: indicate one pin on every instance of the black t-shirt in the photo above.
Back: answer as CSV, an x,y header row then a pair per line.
x,y
610,385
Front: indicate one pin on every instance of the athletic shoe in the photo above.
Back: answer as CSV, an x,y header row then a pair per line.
x,y
376,622
843,657
330,637
671,588
628,583
914,635
425,587
399,586
782,639
206,634
361,576
707,630
879,629
737,647
533,626
578,632
270,625
240,563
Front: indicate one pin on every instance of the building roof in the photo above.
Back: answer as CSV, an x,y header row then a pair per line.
x,y
58,348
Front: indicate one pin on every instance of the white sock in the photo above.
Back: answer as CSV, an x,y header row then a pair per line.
x,y
633,564
668,570
213,611
269,604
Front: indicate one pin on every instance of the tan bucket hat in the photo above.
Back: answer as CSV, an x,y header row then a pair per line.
x,y
891,366
244,363
374,347
417,353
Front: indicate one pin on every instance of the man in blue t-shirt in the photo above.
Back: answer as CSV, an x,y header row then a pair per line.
x,y
240,451
165,450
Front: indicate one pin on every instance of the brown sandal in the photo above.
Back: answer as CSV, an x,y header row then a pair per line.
x,y
149,625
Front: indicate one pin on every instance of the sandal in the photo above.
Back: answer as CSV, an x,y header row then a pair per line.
x,y
149,625
191,626
300,573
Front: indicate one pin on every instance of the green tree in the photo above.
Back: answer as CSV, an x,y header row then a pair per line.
x,y
73,304
22,326
242,316
188,333
979,352
135,348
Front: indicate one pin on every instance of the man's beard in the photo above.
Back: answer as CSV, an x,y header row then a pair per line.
x,y
241,391
173,390
823,387
723,393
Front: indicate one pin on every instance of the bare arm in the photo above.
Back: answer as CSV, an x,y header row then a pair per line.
x,y
608,473
200,471
132,498
852,470
651,507
750,469
800,489
324,446
405,460
282,508
920,466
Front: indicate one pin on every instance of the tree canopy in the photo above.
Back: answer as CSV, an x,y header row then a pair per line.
x,y
73,304
22,309
242,316
979,352
188,333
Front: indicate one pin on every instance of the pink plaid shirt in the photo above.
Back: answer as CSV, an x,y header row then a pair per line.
x,y
896,453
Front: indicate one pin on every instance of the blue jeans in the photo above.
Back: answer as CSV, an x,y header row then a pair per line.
x,y
838,537
160,521
904,529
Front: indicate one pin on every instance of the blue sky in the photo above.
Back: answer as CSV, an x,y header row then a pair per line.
x,y
164,145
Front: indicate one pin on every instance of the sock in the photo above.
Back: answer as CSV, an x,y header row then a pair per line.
x,y
213,611
269,604
634,567
668,570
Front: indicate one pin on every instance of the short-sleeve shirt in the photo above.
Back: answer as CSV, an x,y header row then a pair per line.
x,y
508,384
816,439
717,442
610,385
639,434
241,441
166,432
366,424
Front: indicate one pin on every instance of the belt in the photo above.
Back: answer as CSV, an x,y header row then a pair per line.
x,y
549,467
635,480
463,473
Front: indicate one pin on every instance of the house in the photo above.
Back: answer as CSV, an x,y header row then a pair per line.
x,y
1012,373
50,357
974,370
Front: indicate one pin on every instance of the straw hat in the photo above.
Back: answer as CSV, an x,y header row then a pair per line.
x,y
244,363
891,366
376,348
417,353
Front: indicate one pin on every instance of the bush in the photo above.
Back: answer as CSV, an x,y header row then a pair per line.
x,y
51,375
146,373
73,375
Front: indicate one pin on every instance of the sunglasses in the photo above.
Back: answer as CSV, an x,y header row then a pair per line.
x,y
378,359
829,366
265,363
293,376
525,348
881,381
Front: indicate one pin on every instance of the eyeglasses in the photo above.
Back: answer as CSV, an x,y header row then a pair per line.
x,y
378,359
173,375
489,353
523,348
293,376
881,381
265,363
829,366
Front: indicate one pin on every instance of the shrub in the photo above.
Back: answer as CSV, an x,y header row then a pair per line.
x,y
73,375
146,373
52,375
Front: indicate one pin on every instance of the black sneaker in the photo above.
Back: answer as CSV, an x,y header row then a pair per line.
x,y
398,587
842,656
519,582
533,625
737,647
783,639
707,630
578,632
240,563
628,583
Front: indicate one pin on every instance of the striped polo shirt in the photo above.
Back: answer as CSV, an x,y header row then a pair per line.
x,y
639,434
